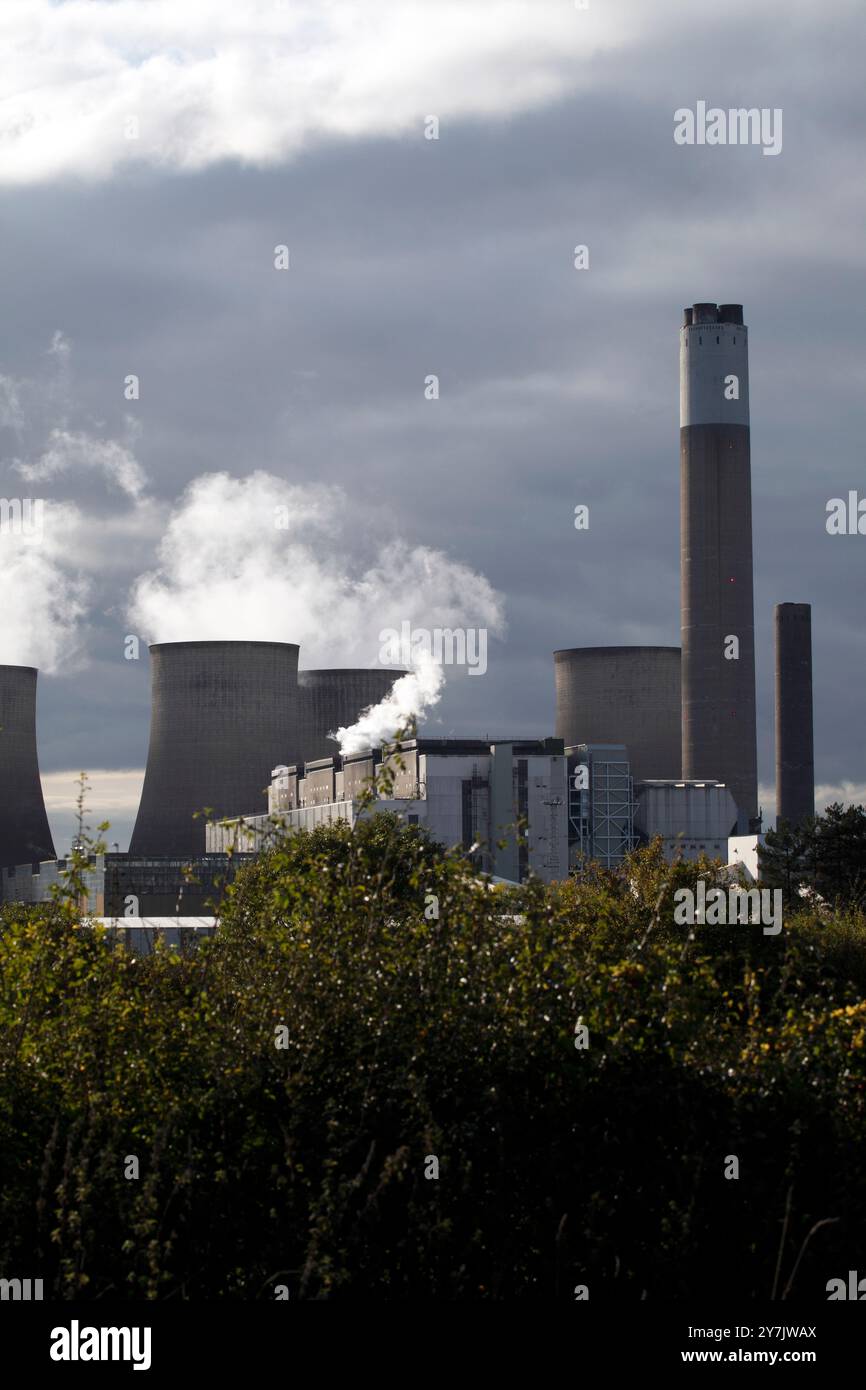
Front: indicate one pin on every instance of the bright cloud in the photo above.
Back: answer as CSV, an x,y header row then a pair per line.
x,y
92,84
257,558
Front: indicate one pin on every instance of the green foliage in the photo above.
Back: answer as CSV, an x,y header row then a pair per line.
x,y
412,1034
826,854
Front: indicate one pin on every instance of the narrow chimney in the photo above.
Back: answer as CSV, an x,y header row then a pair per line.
x,y
795,759
719,736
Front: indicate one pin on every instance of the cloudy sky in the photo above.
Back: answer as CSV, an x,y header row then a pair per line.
x,y
153,154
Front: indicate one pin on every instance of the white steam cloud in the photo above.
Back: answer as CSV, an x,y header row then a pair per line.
x,y
46,545
255,558
43,602
70,450
410,697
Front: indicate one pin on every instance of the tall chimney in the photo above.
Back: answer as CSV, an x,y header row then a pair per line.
x,y
719,738
24,834
223,715
795,758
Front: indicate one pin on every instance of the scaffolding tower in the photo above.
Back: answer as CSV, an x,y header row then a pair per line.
x,y
601,805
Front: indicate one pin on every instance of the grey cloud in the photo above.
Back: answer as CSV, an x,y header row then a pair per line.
x,y
558,387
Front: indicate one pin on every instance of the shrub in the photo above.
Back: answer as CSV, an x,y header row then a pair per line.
x,y
412,1035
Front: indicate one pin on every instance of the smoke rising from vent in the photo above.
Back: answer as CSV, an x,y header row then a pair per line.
x,y
256,558
411,696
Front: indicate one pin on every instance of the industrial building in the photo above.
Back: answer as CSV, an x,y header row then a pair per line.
x,y
465,792
719,738
615,695
692,818
122,885
24,832
649,740
795,757
610,814
222,715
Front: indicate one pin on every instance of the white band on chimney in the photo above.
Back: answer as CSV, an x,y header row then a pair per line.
x,y
710,355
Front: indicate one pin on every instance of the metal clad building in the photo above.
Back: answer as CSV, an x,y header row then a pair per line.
x,y
223,715
795,758
24,833
622,695
719,737
692,818
118,885
466,792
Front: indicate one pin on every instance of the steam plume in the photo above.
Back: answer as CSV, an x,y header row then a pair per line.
x,y
255,558
410,697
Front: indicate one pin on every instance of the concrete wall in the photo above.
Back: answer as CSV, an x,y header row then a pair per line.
x,y
744,851
24,832
223,715
622,695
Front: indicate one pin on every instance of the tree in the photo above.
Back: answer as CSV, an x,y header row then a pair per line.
x,y
826,853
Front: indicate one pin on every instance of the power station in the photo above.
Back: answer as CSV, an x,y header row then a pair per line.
x,y
649,740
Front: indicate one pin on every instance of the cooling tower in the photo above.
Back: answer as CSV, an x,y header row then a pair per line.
x,y
223,714
333,699
795,765
719,739
627,695
24,834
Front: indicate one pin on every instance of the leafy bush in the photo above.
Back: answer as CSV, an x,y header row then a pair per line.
x,y
411,1035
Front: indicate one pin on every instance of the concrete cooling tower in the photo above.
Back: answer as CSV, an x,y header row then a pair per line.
x,y
719,738
795,759
24,833
627,695
223,714
333,699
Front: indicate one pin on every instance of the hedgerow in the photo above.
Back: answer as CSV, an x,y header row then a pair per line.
x,y
369,1004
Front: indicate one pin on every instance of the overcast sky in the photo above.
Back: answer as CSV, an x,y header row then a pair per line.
x,y
153,155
